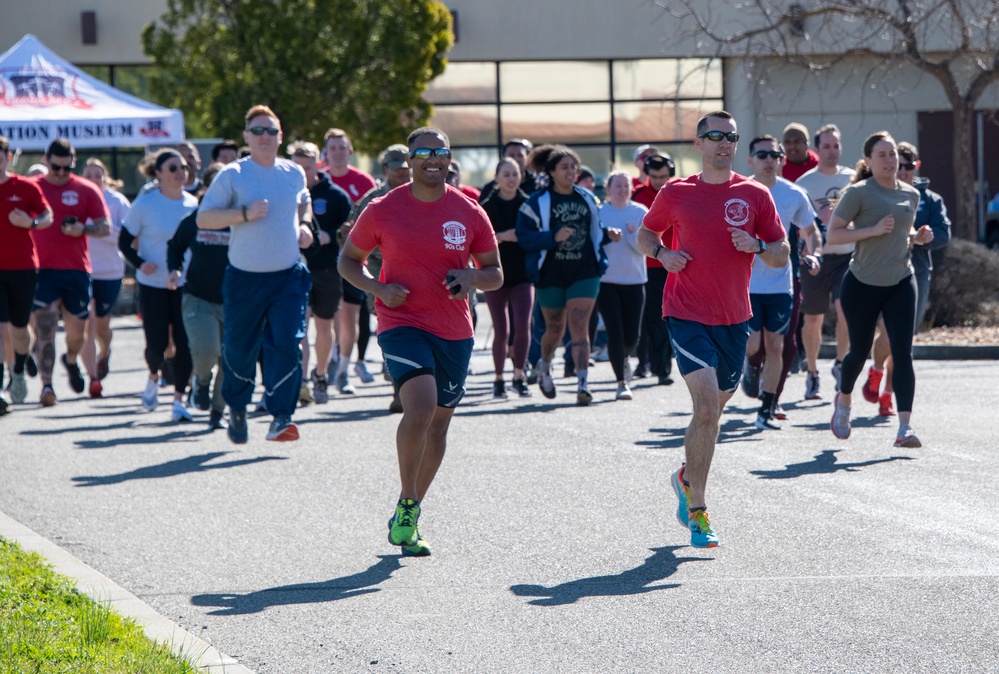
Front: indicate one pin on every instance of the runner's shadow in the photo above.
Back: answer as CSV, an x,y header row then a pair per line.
x,y
824,463
190,464
78,429
662,564
303,593
489,408
146,439
732,430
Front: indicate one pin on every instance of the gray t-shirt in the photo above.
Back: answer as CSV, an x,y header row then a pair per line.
x,y
822,190
880,260
271,243
153,220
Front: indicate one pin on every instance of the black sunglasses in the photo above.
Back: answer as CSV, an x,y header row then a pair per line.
x,y
716,136
173,168
441,153
261,130
763,154
58,168
910,167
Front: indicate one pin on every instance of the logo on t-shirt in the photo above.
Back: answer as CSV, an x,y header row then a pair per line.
x,y
70,198
454,235
14,197
736,212
319,207
353,190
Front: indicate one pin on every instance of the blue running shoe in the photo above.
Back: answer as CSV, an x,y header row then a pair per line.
x,y
701,533
403,525
683,494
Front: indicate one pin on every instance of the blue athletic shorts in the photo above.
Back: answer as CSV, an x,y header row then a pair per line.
x,y
771,312
555,298
105,295
411,352
722,347
69,285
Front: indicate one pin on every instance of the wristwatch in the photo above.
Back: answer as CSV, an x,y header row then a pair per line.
x,y
656,250
763,247
34,223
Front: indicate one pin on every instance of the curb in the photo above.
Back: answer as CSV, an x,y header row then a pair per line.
x,y
934,351
102,589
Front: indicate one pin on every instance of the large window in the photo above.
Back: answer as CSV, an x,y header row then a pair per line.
x,y
602,109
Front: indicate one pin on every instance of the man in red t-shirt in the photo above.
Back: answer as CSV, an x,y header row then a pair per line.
x,y
22,209
427,232
655,355
64,263
713,223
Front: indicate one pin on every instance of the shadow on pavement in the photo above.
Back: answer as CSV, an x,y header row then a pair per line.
x,y
196,430
190,464
79,429
823,463
732,430
303,593
662,564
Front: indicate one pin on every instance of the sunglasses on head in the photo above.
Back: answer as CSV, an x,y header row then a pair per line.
x,y
60,168
910,166
441,153
763,154
261,130
716,136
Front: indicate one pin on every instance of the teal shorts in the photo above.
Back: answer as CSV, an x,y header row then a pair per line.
x,y
556,298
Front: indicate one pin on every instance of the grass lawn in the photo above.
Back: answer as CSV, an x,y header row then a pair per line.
x,y
48,627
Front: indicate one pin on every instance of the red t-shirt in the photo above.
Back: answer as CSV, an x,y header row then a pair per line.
x,y
694,216
794,171
645,195
80,198
420,242
17,250
356,183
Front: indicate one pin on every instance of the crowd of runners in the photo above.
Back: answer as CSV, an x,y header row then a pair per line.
x,y
729,272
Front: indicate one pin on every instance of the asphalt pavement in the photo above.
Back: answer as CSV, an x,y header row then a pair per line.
x,y
556,547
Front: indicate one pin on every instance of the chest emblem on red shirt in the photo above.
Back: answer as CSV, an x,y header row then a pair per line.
x,y
454,235
736,212
70,198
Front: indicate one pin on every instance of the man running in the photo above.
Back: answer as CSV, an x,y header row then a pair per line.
x,y
427,232
715,223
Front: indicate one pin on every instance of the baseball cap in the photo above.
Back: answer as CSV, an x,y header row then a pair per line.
x,y
395,156
795,127
642,149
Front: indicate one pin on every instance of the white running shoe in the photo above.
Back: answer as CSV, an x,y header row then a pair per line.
x,y
151,396
179,412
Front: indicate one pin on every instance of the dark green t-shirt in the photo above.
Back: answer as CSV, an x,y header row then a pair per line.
x,y
574,259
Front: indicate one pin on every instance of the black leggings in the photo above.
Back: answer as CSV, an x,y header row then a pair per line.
x,y
161,311
621,306
862,304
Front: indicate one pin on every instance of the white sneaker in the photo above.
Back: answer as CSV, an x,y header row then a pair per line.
x,y
151,396
623,392
18,387
179,412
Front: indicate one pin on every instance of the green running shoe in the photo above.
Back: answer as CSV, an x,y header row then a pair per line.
x,y
420,549
403,525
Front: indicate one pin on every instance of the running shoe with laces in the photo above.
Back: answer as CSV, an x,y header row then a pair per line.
x,y
96,390
583,396
404,524
237,430
282,429
907,437
320,388
202,396
812,386
750,379
499,389
151,395
885,408
623,392
520,387
547,384
419,549
343,384
840,423
48,396
179,413
702,534
215,421
837,373
872,385
18,387
361,370
778,413
765,421
103,366
76,380
682,490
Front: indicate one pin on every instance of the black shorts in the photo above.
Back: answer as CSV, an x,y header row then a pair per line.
x,y
816,291
17,292
324,298
352,294
105,295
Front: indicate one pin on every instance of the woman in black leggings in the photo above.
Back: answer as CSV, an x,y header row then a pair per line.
x,y
880,281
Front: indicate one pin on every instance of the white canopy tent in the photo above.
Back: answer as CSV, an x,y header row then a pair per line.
x,y
44,97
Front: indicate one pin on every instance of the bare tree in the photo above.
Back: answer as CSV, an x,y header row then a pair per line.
x,y
954,41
